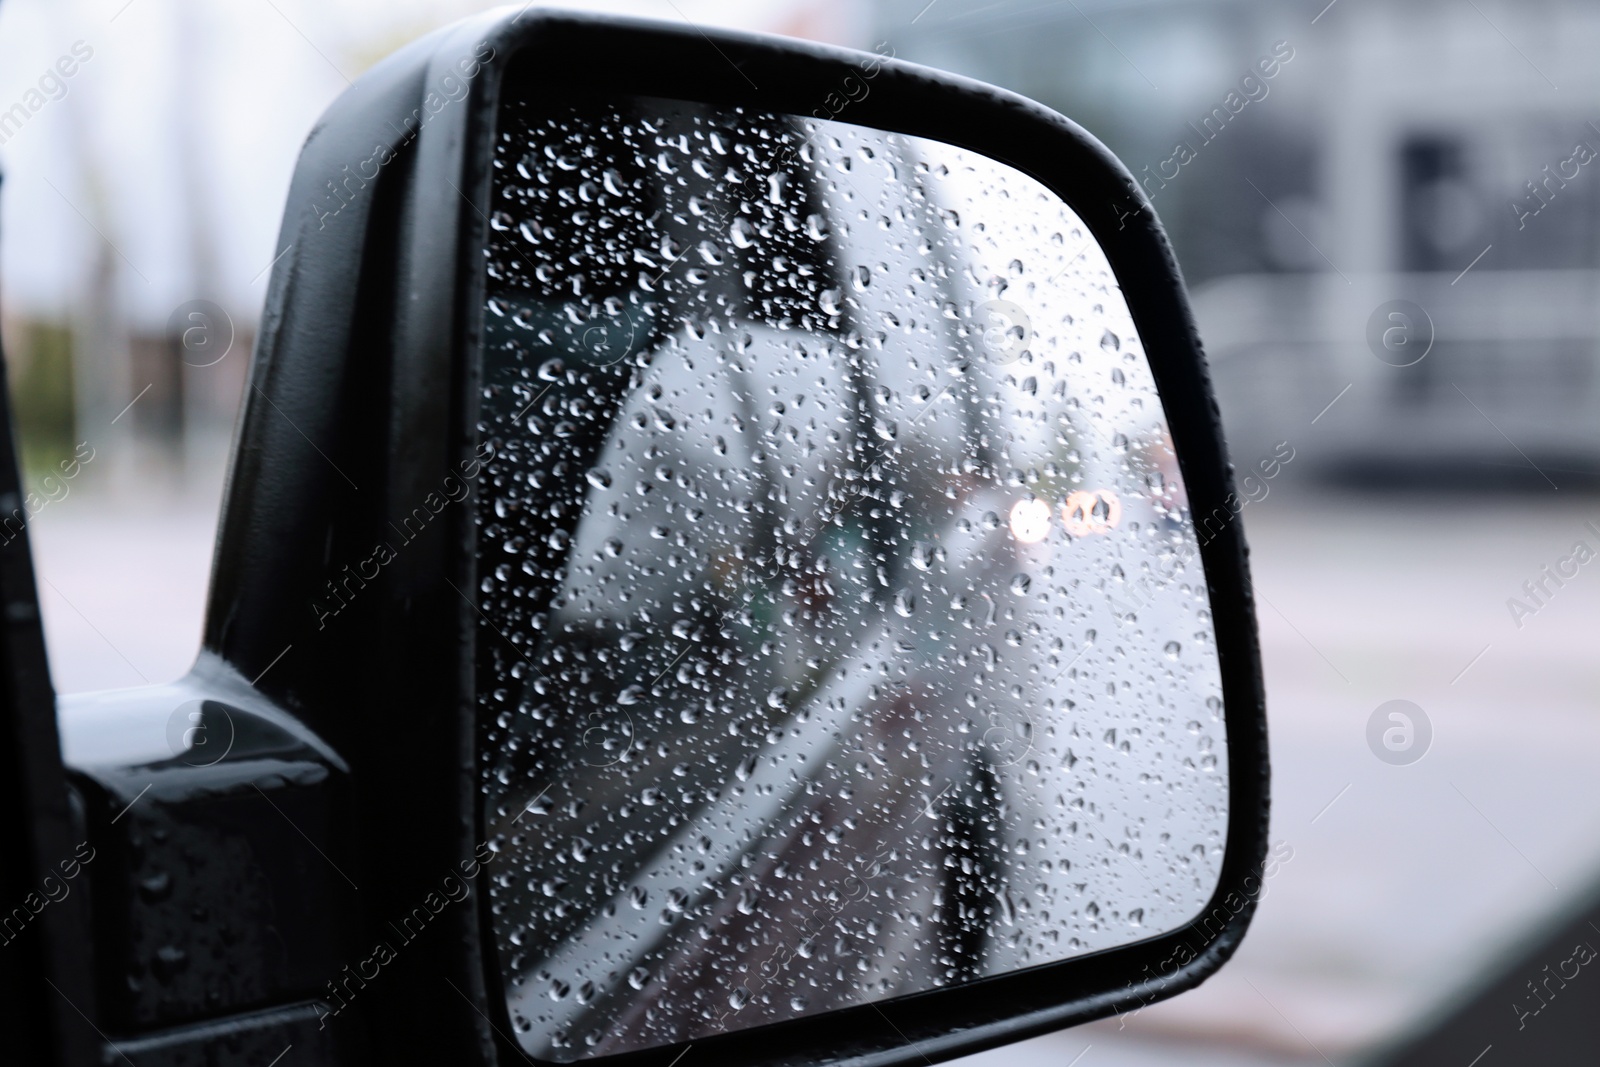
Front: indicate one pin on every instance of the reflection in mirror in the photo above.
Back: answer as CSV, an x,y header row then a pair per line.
x,y
844,631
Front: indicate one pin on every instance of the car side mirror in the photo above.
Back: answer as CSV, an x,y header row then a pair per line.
x,y
760,509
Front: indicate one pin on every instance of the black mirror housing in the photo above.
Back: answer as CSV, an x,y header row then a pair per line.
x,y
345,560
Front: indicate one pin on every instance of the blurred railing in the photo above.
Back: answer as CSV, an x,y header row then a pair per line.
x,y
1499,369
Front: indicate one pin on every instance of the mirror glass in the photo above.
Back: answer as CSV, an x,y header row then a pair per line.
x,y
844,634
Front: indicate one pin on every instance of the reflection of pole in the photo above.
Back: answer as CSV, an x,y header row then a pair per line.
x,y
973,884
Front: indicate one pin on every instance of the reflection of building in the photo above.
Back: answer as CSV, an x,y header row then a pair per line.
x,y
1402,143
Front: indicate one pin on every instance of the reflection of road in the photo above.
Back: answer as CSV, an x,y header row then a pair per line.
x,y
805,630
1401,888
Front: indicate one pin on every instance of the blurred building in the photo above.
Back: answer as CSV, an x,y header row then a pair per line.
x,y
1442,154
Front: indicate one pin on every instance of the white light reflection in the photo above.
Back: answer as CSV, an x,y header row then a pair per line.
x,y
1030,521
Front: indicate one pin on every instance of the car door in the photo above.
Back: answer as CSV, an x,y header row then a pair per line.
x,y
46,988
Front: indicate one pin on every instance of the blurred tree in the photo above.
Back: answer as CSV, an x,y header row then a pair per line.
x,y
42,391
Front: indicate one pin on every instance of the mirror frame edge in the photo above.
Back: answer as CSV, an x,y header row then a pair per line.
x,y
646,57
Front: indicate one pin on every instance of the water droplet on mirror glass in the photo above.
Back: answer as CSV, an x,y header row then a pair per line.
x,y
841,628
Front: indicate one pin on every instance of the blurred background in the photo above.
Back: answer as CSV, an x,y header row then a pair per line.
x,y
1388,212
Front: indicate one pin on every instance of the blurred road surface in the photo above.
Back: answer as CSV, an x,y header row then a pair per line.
x,y
1404,881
